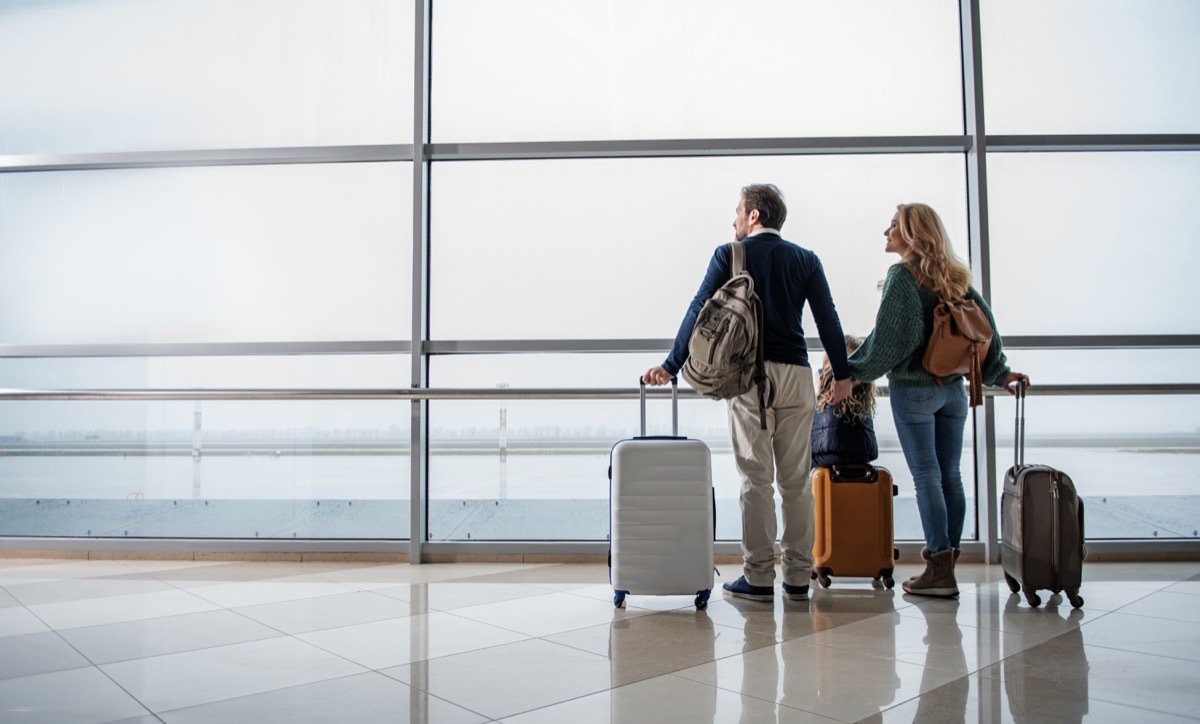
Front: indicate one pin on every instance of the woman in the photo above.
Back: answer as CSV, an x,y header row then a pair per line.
x,y
930,417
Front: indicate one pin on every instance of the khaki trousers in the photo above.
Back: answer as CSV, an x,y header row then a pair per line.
x,y
780,455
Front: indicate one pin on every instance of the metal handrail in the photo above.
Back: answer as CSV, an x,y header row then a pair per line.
x,y
509,393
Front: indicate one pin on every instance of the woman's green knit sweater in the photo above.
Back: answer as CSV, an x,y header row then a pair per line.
x,y
902,326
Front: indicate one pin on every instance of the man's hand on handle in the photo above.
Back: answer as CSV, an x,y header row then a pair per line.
x,y
840,390
657,376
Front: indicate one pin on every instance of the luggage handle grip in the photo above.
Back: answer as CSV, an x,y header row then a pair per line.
x,y
674,405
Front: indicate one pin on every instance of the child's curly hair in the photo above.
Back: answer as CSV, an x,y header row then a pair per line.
x,y
860,405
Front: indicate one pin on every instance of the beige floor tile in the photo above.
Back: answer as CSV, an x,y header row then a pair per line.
x,y
199,677
1190,587
935,643
455,594
548,614
317,613
1157,636
506,680
18,621
1166,605
78,696
976,699
369,698
787,620
115,609
1066,666
416,638
663,642
667,699
37,653
32,594
110,643
836,683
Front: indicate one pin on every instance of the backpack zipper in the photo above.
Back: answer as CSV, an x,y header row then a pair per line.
x,y
718,334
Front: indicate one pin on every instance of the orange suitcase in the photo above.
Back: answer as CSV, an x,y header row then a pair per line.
x,y
853,532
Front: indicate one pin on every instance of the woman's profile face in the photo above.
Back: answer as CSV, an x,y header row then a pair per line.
x,y
895,244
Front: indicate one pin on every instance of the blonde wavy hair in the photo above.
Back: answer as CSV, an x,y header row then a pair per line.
x,y
929,252
860,405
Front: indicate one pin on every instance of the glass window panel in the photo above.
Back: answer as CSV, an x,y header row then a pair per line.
x,y
546,70
214,254
538,469
273,372
1094,243
139,75
1107,366
1132,458
549,246
211,469
1079,66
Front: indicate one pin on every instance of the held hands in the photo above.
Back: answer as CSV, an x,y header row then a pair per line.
x,y
840,390
1014,379
657,376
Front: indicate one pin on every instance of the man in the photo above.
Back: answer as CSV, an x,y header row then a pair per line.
x,y
785,277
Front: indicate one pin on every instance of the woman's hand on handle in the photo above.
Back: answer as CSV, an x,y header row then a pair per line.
x,y
657,376
1014,379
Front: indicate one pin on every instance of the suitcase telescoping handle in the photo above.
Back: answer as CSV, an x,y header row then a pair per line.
x,y
674,405
1019,432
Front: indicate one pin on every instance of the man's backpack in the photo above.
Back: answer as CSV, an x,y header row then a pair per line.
x,y
725,352
958,343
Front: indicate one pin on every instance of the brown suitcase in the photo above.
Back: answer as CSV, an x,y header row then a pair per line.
x,y
853,534
1041,526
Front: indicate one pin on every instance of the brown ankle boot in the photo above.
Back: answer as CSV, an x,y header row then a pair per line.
x,y
938,577
924,557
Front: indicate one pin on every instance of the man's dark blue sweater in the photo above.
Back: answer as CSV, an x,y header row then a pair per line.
x,y
785,277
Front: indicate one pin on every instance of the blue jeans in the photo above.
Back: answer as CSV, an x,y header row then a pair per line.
x,y
930,422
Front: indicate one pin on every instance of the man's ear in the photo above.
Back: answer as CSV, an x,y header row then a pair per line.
x,y
752,217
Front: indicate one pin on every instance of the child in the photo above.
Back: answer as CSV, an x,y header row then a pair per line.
x,y
844,433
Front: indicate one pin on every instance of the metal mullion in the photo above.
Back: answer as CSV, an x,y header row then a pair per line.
x,y
697,147
1102,341
214,157
1094,143
418,369
984,417
506,393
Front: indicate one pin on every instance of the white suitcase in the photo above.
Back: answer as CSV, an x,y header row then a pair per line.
x,y
661,514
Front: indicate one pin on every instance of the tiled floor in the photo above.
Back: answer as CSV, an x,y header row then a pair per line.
x,y
173,641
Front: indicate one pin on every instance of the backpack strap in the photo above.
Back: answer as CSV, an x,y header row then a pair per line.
x,y
737,258
737,265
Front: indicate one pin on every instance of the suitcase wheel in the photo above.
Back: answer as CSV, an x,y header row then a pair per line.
x,y
1055,599
1012,583
1075,599
1032,597
619,598
877,583
821,578
889,582
702,599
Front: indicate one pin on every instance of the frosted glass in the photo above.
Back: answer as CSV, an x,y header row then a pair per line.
x,y
221,254
617,248
546,70
1094,243
138,75
1091,66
